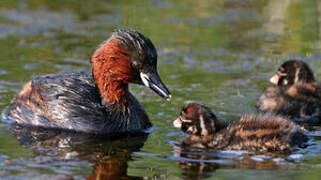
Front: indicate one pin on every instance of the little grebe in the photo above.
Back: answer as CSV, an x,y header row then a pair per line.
x,y
297,94
97,102
259,133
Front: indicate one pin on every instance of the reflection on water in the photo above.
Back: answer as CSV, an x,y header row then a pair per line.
x,y
218,52
108,154
198,164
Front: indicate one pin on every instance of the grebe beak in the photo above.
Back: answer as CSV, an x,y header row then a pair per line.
x,y
153,81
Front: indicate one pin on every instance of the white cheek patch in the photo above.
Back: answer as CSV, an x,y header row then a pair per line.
x,y
192,129
202,124
145,79
285,82
297,71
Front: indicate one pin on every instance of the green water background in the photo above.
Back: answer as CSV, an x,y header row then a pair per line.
x,y
218,52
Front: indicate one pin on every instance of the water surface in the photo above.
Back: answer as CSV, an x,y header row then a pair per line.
x,y
221,53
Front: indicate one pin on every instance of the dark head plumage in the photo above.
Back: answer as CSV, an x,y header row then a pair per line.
x,y
127,57
135,41
196,118
251,132
291,72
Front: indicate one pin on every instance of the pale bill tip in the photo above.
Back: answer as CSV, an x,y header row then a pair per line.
x,y
169,98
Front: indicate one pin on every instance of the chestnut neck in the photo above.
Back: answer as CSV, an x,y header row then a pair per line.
x,y
112,71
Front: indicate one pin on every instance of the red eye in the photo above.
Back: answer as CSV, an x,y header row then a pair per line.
x,y
137,64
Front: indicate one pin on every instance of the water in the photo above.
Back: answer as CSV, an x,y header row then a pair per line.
x,y
221,53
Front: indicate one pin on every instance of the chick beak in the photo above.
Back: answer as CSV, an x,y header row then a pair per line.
x,y
178,123
153,81
275,79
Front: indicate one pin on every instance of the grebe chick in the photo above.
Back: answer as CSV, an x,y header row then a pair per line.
x,y
97,102
259,133
297,94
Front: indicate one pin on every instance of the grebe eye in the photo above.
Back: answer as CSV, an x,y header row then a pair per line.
x,y
137,64
183,113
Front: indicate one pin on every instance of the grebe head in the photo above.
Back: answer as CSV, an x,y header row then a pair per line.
x,y
143,60
197,119
291,72
128,56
